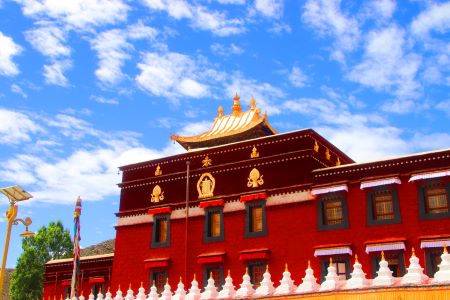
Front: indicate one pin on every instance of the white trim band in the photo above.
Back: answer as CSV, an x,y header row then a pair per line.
x,y
385,181
385,247
435,243
429,175
333,251
329,189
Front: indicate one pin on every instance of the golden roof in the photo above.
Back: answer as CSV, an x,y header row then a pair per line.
x,y
236,126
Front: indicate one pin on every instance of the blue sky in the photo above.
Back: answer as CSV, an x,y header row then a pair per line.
x,y
87,86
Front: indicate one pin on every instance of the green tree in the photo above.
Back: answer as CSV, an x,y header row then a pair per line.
x,y
50,242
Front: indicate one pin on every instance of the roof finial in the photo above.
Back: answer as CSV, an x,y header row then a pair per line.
x,y
236,105
181,279
220,111
445,248
331,261
286,267
229,272
382,255
413,251
246,270
356,258
309,264
252,103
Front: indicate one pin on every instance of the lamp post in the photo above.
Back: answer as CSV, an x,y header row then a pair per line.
x,y
15,194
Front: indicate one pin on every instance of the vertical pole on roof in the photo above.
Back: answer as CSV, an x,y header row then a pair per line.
x,y
186,223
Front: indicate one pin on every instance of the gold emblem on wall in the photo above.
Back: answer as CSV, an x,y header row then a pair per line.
x,y
255,179
316,146
206,185
254,153
327,154
206,162
157,194
338,162
158,171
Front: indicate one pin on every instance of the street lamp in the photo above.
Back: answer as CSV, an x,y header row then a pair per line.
x,y
15,194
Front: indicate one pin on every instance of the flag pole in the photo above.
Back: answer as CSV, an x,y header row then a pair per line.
x,y
76,250
186,221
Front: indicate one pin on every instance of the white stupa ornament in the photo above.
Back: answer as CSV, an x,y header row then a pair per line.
x,y
384,274
246,290
167,292
287,285
130,294
415,273
91,296
358,278
153,295
141,293
309,283
81,296
266,287
331,282
180,293
443,275
118,294
228,290
194,291
100,295
210,289
108,295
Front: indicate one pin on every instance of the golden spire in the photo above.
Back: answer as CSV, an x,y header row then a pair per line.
x,y
267,268
331,261
445,248
100,290
109,289
142,284
61,298
229,273
236,108
252,103
167,280
286,267
220,111
129,286
210,275
118,288
181,279
195,276
413,251
246,270
309,264
356,259
382,255
338,162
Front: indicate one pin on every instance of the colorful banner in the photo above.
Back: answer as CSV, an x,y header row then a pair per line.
x,y
76,250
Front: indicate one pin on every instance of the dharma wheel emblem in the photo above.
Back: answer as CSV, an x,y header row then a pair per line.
x,y
157,194
255,179
158,171
206,185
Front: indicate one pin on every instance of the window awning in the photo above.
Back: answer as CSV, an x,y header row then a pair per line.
x,y
333,251
251,197
329,189
428,175
66,282
385,247
252,254
211,203
159,210
96,280
437,243
209,258
378,182
156,263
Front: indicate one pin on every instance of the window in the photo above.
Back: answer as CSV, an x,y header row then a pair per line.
x,y
432,260
382,206
67,290
213,229
161,231
395,260
340,262
217,275
256,271
433,200
97,288
332,212
255,223
159,278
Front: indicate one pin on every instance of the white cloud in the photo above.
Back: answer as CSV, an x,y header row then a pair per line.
x,y
231,1
435,18
112,50
48,40
103,100
327,18
18,90
297,77
16,127
431,141
444,106
191,129
139,31
172,75
382,8
8,49
266,95
269,8
386,66
200,17
78,14
223,50
54,73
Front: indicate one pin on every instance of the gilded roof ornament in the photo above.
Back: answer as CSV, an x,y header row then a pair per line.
x,y
220,112
236,108
327,154
254,153
157,194
338,162
206,185
316,146
255,178
252,103
158,171
206,162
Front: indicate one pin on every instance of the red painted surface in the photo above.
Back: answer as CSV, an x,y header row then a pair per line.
x,y
162,210
212,203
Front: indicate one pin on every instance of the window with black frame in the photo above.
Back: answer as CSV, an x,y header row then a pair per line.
x,y
159,279
213,229
256,271
434,198
161,231
332,212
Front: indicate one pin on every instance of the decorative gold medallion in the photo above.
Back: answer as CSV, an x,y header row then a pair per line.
x,y
158,171
206,162
157,194
206,185
255,179
338,162
254,153
327,154
316,146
